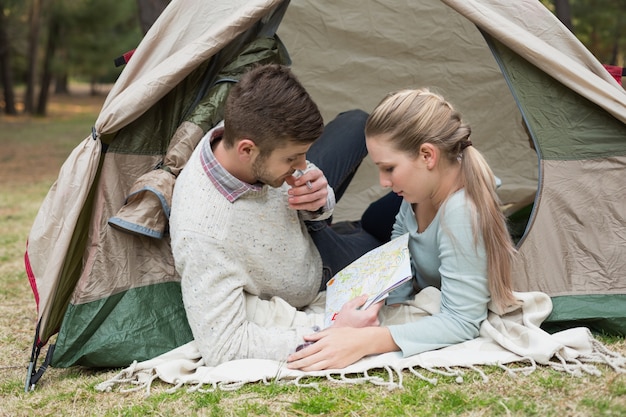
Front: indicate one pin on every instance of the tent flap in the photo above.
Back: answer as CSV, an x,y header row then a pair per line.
x,y
601,313
128,293
116,330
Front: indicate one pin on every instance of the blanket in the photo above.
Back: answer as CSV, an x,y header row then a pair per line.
x,y
510,337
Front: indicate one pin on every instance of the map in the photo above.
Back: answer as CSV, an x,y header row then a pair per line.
x,y
376,273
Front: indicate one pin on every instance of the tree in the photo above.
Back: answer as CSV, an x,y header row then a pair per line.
x,y
34,23
54,30
563,12
82,44
79,39
61,15
92,43
149,11
598,24
6,71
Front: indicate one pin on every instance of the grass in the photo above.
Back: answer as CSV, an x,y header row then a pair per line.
x,y
33,151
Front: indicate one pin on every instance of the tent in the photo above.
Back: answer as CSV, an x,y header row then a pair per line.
x,y
548,116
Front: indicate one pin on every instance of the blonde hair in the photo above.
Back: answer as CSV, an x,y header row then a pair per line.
x,y
409,118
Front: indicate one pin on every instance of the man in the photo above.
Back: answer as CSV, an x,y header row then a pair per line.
x,y
247,259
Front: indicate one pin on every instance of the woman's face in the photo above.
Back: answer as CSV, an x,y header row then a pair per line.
x,y
406,175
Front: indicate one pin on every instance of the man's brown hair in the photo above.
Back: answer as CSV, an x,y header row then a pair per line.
x,y
270,107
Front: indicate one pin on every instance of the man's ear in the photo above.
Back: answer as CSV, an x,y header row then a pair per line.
x,y
246,149
429,154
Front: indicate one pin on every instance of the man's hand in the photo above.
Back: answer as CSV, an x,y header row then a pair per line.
x,y
309,191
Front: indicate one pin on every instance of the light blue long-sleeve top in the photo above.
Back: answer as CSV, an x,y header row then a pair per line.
x,y
446,256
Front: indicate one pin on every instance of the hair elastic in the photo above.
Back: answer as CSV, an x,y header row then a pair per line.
x,y
466,144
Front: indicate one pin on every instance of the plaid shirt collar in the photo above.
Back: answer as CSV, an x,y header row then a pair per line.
x,y
228,185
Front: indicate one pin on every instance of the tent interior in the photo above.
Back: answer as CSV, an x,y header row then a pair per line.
x,y
352,58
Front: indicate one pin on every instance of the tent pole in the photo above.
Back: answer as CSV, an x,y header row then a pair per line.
x,y
32,377
34,355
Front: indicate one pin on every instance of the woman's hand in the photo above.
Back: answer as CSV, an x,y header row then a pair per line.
x,y
332,348
351,316
338,347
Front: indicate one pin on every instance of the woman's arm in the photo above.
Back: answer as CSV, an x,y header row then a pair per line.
x,y
464,288
464,298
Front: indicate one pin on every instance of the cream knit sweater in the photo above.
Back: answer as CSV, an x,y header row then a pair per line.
x,y
234,257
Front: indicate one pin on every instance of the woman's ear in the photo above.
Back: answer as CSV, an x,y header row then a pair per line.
x,y
429,154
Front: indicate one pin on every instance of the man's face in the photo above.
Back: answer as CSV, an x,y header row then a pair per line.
x,y
281,163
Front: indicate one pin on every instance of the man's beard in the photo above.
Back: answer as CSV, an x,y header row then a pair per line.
x,y
263,176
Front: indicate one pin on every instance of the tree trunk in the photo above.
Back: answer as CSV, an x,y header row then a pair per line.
x,y
61,78
563,11
93,87
149,11
61,85
616,41
34,19
46,75
5,67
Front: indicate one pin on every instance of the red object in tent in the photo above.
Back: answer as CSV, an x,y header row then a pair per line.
x,y
119,61
616,72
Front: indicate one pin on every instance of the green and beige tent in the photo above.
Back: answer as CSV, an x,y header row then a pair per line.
x,y
548,116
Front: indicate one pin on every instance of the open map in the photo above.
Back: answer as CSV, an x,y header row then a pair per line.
x,y
376,273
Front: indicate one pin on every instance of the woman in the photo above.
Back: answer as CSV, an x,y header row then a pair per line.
x,y
458,239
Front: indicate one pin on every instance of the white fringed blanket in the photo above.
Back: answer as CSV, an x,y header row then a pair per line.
x,y
513,337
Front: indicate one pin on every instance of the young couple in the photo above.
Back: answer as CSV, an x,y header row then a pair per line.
x,y
252,239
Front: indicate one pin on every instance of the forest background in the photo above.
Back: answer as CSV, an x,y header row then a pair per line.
x,y
46,44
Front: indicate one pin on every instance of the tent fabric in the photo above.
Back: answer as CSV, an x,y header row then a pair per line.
x,y
51,236
398,47
184,37
555,102
135,262
547,115
98,333
591,257
578,234
162,60
575,66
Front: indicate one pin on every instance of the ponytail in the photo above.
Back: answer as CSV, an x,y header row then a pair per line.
x,y
490,222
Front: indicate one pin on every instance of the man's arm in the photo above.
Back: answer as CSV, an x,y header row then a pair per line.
x,y
217,306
